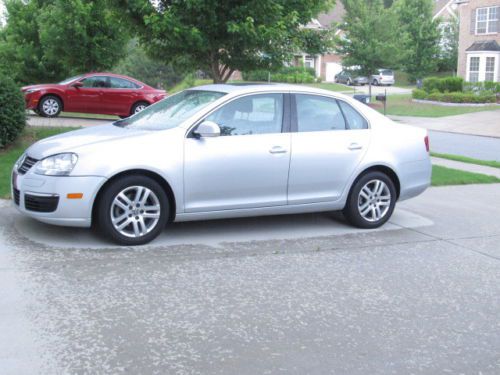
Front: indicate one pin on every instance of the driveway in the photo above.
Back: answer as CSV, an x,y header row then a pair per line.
x,y
299,294
486,123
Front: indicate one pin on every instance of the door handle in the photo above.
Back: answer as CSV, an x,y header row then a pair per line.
x,y
355,146
277,150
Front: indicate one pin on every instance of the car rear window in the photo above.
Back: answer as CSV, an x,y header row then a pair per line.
x,y
386,72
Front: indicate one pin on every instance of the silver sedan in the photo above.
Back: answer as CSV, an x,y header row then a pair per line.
x,y
224,151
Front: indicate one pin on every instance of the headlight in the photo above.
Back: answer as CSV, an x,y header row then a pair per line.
x,y
31,90
57,165
19,161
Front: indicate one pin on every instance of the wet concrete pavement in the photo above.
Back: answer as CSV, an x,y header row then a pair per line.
x,y
302,294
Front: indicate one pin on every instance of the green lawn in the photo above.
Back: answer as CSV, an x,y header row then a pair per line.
x,y
9,155
331,87
465,159
401,105
442,176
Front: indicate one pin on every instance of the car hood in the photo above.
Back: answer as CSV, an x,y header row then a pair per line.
x,y
74,140
41,86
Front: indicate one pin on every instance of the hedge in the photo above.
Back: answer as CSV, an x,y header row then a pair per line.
x,y
291,74
12,111
455,97
445,84
488,86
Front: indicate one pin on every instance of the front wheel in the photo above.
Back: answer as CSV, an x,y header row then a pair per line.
x,y
133,210
375,82
49,106
371,201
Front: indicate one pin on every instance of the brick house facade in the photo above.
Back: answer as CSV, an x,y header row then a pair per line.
x,y
479,40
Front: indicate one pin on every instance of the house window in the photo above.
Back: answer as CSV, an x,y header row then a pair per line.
x,y
474,69
309,62
487,20
490,69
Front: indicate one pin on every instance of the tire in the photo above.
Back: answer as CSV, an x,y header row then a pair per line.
x,y
138,107
50,106
121,216
367,207
375,82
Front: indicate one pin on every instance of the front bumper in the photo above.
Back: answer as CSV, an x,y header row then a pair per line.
x,y
31,100
45,198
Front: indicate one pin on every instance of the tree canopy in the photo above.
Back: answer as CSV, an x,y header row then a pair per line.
x,y
370,39
221,36
47,40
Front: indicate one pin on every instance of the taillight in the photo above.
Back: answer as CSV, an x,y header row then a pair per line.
x,y
426,141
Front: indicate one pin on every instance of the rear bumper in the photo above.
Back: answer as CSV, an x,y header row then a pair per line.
x,y
45,198
415,178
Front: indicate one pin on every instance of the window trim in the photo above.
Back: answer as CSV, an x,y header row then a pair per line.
x,y
294,115
488,21
285,120
482,55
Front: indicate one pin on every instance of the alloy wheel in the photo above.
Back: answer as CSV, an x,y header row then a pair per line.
x,y
139,108
374,200
135,211
50,107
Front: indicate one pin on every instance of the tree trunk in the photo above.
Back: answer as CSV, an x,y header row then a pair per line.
x,y
220,73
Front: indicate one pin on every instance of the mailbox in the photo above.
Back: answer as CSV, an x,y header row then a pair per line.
x,y
362,98
381,98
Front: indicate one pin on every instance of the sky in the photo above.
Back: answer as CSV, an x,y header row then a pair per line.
x,y
2,13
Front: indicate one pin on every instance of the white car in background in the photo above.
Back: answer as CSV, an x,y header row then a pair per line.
x,y
224,151
384,77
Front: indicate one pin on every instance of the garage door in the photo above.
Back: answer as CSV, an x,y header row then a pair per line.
x,y
332,69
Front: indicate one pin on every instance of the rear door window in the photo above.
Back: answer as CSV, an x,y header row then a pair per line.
x,y
318,113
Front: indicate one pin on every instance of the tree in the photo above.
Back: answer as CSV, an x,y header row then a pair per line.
x,y
371,38
422,36
153,72
448,53
46,40
221,36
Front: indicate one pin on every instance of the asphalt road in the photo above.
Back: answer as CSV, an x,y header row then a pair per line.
x,y
301,294
478,147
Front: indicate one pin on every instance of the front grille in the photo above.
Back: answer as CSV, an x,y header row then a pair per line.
x,y
40,203
16,196
26,165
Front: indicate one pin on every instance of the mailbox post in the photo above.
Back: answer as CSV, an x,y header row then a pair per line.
x,y
382,98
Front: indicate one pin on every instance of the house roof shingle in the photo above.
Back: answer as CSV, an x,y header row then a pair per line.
x,y
485,45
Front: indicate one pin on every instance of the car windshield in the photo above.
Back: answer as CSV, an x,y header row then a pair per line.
x,y
68,80
170,112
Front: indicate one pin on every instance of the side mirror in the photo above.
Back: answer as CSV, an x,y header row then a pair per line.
x,y
207,129
77,84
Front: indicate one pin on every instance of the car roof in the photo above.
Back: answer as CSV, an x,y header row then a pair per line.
x,y
242,88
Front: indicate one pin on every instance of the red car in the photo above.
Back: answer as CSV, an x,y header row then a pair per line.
x,y
103,93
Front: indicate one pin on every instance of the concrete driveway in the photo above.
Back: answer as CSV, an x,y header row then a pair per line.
x,y
391,90
301,294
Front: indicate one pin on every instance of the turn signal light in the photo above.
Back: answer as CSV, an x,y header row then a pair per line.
x,y
426,140
74,196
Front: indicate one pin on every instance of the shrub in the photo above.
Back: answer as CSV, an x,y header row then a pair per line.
x,y
455,97
12,111
488,86
289,74
445,84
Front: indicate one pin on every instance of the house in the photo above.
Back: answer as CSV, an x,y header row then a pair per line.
x,y
328,65
479,40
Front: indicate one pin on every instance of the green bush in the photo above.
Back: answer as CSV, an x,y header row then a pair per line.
x,y
488,86
445,84
455,97
12,111
289,74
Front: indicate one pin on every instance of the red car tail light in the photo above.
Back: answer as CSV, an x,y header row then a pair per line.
x,y
426,141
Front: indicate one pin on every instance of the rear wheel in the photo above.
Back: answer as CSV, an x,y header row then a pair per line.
x,y
371,201
50,106
138,107
133,210
375,82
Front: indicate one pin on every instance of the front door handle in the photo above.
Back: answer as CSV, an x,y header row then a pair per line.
x,y
355,146
277,150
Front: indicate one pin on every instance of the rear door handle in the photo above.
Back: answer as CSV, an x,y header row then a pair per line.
x,y
277,150
355,146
